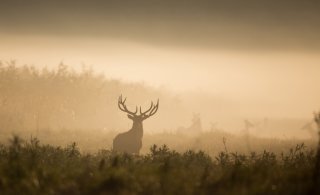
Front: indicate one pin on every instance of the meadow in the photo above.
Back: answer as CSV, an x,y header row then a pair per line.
x,y
29,167
57,127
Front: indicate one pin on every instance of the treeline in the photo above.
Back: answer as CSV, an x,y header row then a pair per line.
x,y
62,98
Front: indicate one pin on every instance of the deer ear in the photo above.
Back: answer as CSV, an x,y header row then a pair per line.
x,y
130,117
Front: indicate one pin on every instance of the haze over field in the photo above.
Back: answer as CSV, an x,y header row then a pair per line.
x,y
160,97
227,60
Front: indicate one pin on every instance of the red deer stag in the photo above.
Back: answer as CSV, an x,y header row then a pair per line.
x,y
131,141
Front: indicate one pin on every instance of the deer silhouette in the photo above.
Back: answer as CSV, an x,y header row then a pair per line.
x,y
131,141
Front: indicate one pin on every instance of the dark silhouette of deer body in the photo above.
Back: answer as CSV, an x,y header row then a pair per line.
x,y
131,141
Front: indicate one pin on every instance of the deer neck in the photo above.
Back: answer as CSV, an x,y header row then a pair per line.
x,y
137,128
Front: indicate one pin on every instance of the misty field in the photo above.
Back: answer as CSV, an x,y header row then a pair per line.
x,y
207,163
57,127
159,97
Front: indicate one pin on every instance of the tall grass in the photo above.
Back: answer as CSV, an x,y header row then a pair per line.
x,y
29,167
316,172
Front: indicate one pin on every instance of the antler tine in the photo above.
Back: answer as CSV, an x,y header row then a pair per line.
x,y
143,113
124,107
120,103
155,109
120,99
152,110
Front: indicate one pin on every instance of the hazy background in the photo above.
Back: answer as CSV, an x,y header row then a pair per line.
x,y
226,60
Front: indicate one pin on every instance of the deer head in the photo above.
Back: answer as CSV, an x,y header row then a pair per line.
x,y
134,115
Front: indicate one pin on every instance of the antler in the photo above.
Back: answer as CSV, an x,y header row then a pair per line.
x,y
123,107
151,111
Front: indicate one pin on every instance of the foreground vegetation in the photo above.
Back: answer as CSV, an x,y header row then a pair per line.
x,y
32,168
